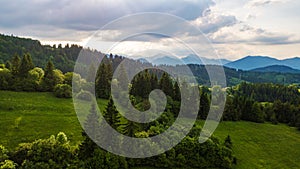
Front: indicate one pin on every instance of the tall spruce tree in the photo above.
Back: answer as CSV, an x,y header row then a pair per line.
x,y
25,66
16,61
204,105
91,126
165,83
111,114
48,80
103,80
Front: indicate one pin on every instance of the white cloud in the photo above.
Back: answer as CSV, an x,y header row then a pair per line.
x,y
212,22
237,27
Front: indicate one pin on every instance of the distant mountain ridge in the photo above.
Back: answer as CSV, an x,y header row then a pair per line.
x,y
254,62
189,59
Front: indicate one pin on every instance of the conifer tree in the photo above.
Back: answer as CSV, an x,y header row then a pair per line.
x,y
15,64
228,142
48,80
204,105
177,95
25,66
8,65
166,84
111,114
103,80
91,127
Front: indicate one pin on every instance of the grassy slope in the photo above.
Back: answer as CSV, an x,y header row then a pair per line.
x,y
41,114
263,145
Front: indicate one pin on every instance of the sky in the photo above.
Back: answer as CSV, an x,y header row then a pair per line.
x,y
234,28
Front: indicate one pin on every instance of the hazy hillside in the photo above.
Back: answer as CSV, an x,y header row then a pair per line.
x,y
276,68
253,62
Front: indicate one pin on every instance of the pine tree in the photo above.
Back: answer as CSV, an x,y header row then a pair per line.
x,y
256,113
91,127
111,114
8,65
129,128
228,142
154,82
91,73
15,64
177,95
204,105
123,79
103,80
166,84
48,80
25,66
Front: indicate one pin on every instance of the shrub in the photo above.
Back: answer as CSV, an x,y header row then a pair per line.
x,y
84,95
63,91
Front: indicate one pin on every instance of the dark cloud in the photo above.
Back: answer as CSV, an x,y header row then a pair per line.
x,y
90,14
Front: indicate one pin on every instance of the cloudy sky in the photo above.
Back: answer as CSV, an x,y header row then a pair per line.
x,y
235,28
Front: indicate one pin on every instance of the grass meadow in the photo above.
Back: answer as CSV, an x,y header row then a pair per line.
x,y
25,117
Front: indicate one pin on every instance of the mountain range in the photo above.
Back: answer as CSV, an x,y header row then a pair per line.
x,y
189,59
64,58
252,63
255,62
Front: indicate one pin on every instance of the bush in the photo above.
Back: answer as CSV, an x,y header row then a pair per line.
x,y
84,95
54,152
7,164
63,91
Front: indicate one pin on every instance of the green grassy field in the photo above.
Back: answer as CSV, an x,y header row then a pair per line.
x,y
25,117
263,145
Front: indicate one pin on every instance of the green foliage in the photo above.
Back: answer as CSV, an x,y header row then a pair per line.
x,y
166,84
253,143
84,95
64,58
5,78
25,66
53,152
228,142
111,114
63,91
49,77
103,80
8,65
7,164
16,61
3,153
204,104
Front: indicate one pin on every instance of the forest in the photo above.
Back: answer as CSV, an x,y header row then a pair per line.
x,y
33,67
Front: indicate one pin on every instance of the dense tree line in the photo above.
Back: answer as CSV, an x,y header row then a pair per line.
x,y
256,102
235,77
263,102
21,75
63,57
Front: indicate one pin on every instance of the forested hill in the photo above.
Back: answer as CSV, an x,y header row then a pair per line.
x,y
63,57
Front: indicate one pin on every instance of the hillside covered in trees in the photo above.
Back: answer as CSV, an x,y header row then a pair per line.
x,y
29,66
64,58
